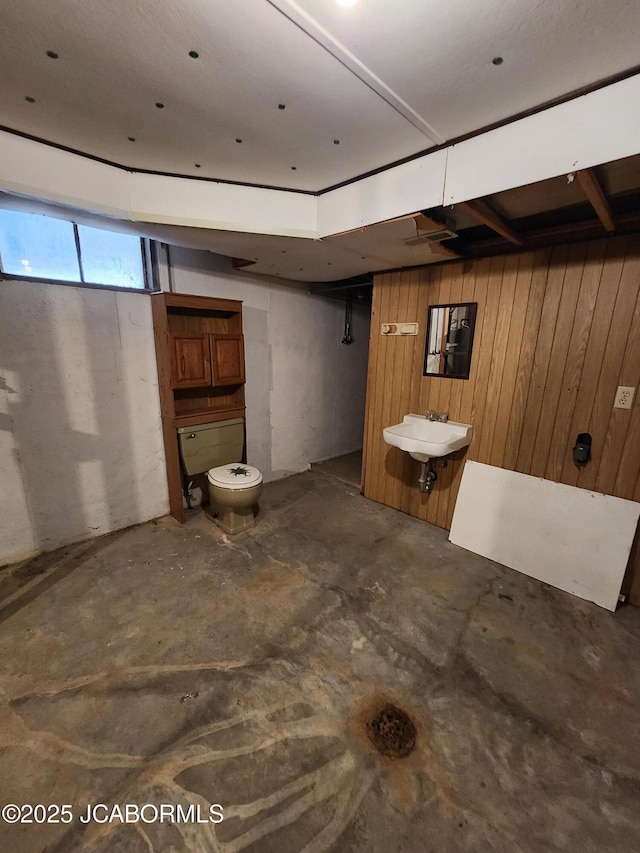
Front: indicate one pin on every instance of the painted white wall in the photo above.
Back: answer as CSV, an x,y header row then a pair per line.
x,y
81,451
305,391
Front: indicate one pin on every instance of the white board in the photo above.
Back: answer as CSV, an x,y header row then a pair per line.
x,y
575,540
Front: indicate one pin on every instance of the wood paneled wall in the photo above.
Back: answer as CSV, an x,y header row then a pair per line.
x,y
557,331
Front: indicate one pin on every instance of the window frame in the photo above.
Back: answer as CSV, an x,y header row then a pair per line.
x,y
149,272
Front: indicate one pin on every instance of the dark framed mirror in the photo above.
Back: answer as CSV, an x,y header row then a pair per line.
x,y
450,340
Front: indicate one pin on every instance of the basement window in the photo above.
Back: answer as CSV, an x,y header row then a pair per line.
x,y
33,246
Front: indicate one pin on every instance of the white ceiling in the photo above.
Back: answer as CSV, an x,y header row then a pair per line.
x,y
387,78
362,88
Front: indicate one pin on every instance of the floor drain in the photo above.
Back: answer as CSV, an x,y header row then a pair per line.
x,y
392,732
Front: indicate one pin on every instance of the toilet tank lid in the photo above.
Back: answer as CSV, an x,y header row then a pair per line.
x,y
235,475
210,425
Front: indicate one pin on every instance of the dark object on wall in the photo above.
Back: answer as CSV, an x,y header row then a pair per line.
x,y
449,340
582,450
347,337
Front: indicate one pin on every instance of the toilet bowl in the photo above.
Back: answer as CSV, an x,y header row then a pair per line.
x,y
234,490
234,487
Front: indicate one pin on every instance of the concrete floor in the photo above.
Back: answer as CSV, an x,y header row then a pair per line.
x,y
347,468
169,664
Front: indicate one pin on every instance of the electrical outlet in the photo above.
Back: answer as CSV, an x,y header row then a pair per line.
x,y
624,397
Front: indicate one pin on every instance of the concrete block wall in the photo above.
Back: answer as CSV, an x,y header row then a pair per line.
x,y
81,452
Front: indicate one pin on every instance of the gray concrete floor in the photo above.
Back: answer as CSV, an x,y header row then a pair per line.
x,y
347,468
169,664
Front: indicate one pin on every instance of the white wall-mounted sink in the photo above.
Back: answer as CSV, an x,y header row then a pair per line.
x,y
423,439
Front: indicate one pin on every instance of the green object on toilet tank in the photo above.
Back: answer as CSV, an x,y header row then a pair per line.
x,y
206,446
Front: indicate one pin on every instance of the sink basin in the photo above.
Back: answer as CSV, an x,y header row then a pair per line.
x,y
423,439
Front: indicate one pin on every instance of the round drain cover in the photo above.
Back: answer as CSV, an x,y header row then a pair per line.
x,y
392,732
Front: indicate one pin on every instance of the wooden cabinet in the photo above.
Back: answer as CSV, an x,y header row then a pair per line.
x,y
227,359
198,361
190,361
200,356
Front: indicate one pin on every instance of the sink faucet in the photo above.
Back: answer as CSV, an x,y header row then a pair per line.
x,y
443,417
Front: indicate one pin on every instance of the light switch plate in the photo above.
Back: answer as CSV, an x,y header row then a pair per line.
x,y
624,397
388,329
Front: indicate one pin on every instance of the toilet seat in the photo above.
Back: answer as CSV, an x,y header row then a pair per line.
x,y
234,476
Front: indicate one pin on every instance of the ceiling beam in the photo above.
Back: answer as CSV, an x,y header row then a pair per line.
x,y
590,186
627,223
481,212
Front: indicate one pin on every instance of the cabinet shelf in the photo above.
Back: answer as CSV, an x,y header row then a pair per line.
x,y
205,416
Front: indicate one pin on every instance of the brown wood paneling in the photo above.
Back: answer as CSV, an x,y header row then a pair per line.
x,y
411,377
491,434
558,357
425,291
527,350
599,335
612,358
628,477
398,389
620,434
383,380
560,445
520,299
489,317
541,358
557,331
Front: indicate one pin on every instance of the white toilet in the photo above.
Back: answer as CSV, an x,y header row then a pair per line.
x,y
234,487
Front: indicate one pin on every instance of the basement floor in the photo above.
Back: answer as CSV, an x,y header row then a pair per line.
x,y
173,665
346,468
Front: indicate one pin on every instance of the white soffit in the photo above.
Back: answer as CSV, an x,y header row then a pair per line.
x,y
593,129
32,169
40,171
412,186
573,539
208,204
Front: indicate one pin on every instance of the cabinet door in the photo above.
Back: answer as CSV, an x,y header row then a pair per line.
x,y
190,364
227,359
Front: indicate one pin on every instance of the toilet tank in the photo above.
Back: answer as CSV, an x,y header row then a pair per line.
x,y
208,445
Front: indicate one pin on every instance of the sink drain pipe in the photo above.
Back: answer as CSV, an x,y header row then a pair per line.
x,y
427,477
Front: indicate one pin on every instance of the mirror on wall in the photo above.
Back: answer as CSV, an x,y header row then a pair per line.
x,y
449,340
